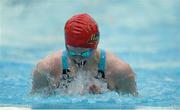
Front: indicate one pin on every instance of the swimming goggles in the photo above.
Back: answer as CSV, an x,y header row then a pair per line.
x,y
85,54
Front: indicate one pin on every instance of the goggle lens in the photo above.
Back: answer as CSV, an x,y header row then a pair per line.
x,y
83,54
71,53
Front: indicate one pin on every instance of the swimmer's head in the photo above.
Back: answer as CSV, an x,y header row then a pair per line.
x,y
81,31
81,37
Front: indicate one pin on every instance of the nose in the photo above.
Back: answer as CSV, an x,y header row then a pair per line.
x,y
78,58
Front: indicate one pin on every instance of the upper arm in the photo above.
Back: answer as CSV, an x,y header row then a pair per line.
x,y
46,72
39,77
125,81
121,77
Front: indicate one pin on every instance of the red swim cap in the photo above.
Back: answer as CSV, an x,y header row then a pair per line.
x,y
81,31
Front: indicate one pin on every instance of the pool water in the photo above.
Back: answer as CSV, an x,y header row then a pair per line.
x,y
143,33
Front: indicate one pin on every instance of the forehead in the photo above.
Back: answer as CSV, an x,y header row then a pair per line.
x,y
77,49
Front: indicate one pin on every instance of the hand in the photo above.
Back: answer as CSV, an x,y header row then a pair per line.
x,y
93,89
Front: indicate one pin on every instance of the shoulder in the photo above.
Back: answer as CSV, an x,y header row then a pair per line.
x,y
49,63
45,67
116,65
120,75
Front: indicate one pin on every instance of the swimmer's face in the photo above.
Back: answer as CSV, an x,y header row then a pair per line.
x,y
79,55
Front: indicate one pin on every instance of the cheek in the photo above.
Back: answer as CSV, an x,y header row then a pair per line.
x,y
93,89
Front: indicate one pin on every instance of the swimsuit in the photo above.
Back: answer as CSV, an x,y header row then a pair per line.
x,y
65,73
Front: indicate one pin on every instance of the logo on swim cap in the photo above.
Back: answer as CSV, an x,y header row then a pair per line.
x,y
94,38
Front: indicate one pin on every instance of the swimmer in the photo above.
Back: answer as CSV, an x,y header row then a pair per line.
x,y
82,54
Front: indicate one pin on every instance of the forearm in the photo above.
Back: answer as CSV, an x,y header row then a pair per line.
x,y
39,80
126,84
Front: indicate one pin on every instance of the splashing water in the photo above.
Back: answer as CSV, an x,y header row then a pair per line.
x,y
143,33
81,84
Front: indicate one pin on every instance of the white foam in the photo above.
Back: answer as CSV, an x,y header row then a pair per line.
x,y
82,82
14,107
155,108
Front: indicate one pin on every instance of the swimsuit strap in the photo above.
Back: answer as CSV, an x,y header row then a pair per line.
x,y
65,65
102,64
66,78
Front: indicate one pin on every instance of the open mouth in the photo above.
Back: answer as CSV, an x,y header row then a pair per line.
x,y
80,63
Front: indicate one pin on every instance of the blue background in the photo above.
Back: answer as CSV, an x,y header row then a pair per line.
x,y
143,33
